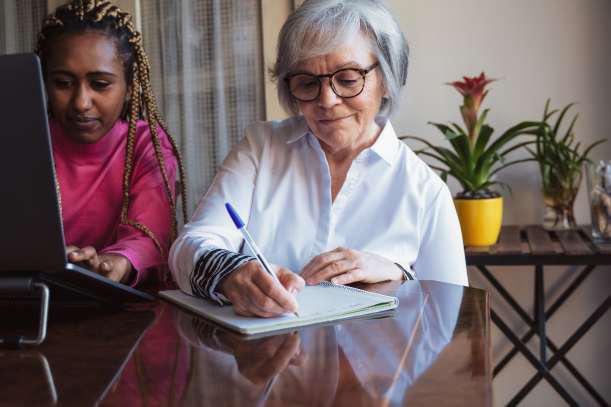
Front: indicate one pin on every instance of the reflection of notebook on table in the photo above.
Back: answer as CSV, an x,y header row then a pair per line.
x,y
317,304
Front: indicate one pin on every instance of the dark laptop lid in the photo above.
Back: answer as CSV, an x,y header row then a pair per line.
x,y
31,234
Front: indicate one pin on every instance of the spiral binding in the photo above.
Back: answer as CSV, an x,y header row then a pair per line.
x,y
345,287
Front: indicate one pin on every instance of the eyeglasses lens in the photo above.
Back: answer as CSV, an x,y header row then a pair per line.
x,y
347,83
304,86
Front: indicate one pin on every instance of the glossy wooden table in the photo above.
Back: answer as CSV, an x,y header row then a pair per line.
x,y
435,350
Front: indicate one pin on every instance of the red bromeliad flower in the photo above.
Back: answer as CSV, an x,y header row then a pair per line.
x,y
473,91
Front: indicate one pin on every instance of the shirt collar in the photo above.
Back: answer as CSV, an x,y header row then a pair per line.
x,y
385,146
300,129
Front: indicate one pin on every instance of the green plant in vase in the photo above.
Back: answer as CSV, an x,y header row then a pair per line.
x,y
474,161
560,168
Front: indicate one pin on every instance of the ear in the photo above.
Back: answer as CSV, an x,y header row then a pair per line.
x,y
128,93
128,98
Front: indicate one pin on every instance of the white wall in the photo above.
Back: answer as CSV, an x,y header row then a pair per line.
x,y
541,48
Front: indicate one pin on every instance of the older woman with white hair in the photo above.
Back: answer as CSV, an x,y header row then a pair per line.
x,y
330,194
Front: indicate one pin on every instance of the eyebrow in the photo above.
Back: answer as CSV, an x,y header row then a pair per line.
x,y
89,74
349,64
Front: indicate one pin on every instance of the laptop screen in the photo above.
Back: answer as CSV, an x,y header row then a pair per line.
x,y
31,235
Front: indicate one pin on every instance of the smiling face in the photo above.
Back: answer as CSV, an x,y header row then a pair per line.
x,y
86,85
338,123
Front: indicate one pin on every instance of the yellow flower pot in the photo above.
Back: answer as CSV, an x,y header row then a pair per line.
x,y
480,220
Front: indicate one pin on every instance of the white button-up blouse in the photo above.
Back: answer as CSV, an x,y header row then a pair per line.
x,y
278,180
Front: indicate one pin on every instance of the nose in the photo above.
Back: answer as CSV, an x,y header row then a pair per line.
x,y
82,99
327,98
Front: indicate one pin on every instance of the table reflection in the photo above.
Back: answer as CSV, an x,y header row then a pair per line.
x,y
369,362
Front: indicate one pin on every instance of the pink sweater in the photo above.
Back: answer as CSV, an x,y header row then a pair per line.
x,y
90,179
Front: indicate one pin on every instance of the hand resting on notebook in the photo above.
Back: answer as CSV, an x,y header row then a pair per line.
x,y
111,265
253,292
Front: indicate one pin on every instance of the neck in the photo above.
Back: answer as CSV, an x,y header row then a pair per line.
x,y
346,154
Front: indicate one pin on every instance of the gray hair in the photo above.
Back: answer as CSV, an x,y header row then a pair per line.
x,y
320,27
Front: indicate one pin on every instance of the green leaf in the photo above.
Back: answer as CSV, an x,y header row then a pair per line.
x,y
442,127
458,129
480,122
463,150
464,181
444,176
568,132
545,111
500,158
559,121
518,146
522,128
511,163
585,153
449,156
482,141
450,135
436,168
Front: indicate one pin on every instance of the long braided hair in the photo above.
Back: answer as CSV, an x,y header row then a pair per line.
x,y
82,16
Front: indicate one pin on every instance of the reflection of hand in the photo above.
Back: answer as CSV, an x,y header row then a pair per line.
x,y
260,360
344,266
254,292
111,265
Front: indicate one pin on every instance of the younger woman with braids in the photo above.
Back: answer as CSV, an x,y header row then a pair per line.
x,y
115,173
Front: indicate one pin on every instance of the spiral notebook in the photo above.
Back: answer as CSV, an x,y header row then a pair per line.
x,y
322,303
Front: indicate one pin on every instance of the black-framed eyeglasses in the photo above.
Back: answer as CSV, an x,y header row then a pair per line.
x,y
346,83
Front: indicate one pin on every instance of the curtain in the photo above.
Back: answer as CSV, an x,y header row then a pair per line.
x,y
20,21
207,75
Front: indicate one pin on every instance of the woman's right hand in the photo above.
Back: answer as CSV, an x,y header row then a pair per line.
x,y
254,292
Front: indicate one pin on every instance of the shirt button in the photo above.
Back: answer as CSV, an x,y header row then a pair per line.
x,y
351,184
333,218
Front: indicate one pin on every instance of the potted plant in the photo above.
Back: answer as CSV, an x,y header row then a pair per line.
x,y
475,163
560,168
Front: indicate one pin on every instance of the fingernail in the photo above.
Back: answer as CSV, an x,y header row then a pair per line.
x,y
335,280
310,280
298,352
294,292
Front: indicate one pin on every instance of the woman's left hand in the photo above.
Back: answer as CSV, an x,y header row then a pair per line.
x,y
345,266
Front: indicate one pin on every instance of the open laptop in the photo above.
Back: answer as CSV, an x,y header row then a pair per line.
x,y
31,234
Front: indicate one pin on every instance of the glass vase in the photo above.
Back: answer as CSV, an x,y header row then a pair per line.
x,y
598,180
559,199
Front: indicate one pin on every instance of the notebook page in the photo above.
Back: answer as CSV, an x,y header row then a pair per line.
x,y
316,303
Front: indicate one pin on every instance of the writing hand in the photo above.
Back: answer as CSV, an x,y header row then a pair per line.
x,y
345,266
254,292
111,265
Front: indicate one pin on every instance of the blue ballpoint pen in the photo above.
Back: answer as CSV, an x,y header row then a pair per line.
x,y
251,243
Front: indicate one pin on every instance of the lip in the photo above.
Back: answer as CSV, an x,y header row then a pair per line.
x,y
83,123
332,120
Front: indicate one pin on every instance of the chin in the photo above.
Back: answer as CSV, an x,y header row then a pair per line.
x,y
84,138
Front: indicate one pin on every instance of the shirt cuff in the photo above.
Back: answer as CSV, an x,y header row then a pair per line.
x,y
211,267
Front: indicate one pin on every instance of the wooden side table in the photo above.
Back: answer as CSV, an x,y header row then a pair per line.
x,y
534,246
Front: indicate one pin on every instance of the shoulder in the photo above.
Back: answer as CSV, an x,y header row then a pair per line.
x,y
266,135
279,130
